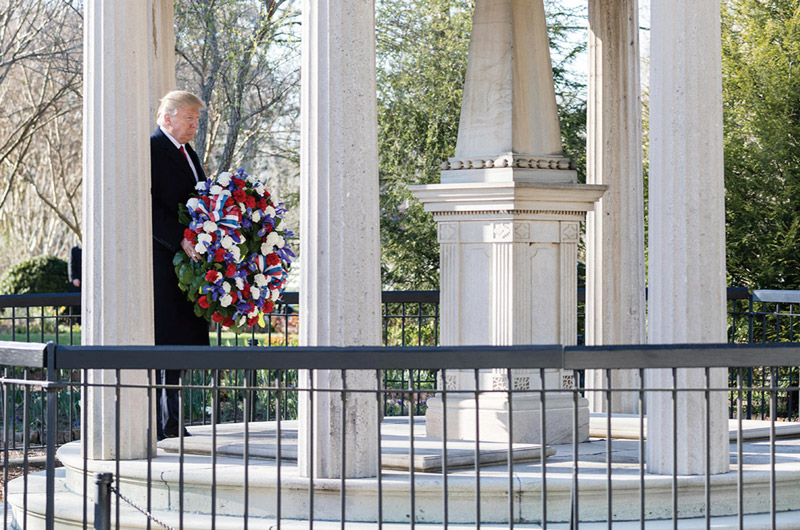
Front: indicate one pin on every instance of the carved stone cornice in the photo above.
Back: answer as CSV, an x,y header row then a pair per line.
x,y
509,161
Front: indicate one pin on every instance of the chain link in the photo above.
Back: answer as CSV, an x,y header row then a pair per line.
x,y
145,512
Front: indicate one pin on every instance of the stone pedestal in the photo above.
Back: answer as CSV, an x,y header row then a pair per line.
x,y
687,231
509,212
117,296
508,276
340,251
615,275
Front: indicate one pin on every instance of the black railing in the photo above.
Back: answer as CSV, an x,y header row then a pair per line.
x,y
550,490
410,318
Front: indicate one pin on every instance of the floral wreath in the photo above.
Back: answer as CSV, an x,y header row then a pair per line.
x,y
233,223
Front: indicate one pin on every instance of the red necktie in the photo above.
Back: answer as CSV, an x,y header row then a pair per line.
x,y
185,154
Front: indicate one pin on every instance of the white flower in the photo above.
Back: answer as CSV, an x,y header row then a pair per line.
x,y
215,190
205,238
260,280
226,287
256,216
226,242
210,226
269,211
200,248
276,293
266,248
224,178
237,253
242,321
255,293
225,300
193,203
253,313
273,239
200,186
239,283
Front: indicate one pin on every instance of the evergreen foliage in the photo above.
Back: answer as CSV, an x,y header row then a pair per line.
x,y
761,102
43,274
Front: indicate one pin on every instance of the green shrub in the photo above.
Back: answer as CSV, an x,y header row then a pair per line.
x,y
43,274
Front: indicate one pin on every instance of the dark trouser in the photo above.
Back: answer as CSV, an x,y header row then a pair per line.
x,y
167,404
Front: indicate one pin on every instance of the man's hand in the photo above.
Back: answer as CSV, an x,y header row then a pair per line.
x,y
76,282
188,247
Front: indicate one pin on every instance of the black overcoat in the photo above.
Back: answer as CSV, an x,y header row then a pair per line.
x,y
172,184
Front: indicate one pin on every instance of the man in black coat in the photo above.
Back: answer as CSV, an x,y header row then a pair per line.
x,y
176,169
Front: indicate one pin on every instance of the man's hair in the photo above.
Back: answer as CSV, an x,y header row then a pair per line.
x,y
178,99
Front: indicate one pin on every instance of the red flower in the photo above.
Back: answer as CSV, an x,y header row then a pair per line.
x,y
216,317
246,291
231,270
268,306
219,255
252,321
239,183
189,235
262,204
228,322
203,302
273,259
212,276
230,202
250,201
234,297
239,195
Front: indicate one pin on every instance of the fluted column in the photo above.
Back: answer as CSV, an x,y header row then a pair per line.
x,y
161,36
117,296
340,283
687,230
615,295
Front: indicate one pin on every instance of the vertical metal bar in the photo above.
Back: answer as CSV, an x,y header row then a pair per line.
x,y
179,390
575,521
675,448
773,407
343,493
312,471
607,399
708,448
641,448
477,450
543,442
379,404
6,408
509,391
214,422
51,430
102,504
84,449
411,475
446,505
278,395
248,397
117,436
739,457
150,420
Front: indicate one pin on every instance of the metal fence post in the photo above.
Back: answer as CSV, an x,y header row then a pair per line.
x,y
102,502
52,431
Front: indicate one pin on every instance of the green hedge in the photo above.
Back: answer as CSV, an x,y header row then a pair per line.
x,y
43,274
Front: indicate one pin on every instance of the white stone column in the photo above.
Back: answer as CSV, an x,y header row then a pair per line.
x,y
117,295
161,36
508,209
340,249
687,301
615,294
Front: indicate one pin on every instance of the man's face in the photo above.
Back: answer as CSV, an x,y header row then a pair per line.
x,y
183,125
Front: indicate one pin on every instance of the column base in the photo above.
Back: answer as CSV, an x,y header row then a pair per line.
x,y
494,417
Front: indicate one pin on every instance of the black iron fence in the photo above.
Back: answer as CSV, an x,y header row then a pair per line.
x,y
409,319
489,477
